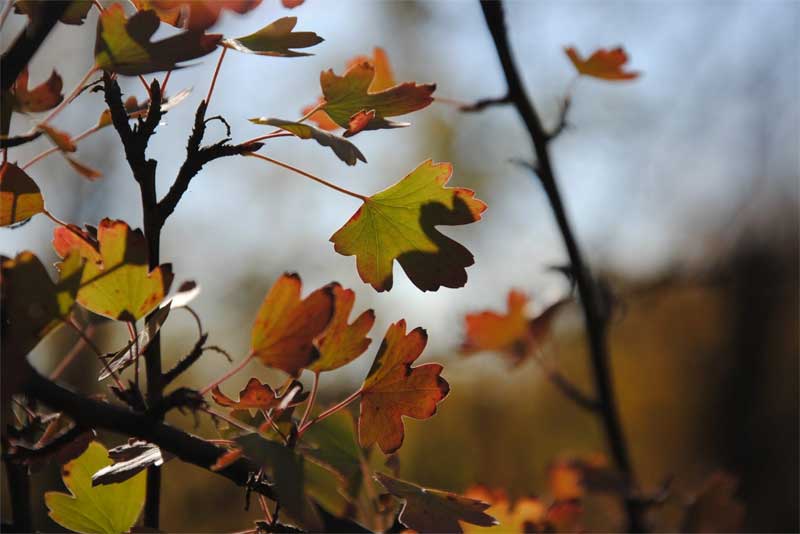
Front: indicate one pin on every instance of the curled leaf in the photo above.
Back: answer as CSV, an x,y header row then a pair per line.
x,y
394,389
276,39
20,197
43,97
344,149
130,459
399,223
603,64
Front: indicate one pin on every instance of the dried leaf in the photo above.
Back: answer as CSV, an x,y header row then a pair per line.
x,y
344,149
394,389
254,395
342,343
276,39
603,64
400,222
83,169
20,197
61,139
43,97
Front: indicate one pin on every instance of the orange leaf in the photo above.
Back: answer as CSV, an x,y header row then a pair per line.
x,y
83,169
194,15
291,4
512,333
342,343
359,121
20,197
226,458
41,98
61,139
286,327
320,118
116,282
525,515
254,395
603,64
394,389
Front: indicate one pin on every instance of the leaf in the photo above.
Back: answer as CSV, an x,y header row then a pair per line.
x,y
123,45
603,64
136,110
276,39
514,334
342,343
254,395
116,282
344,149
291,4
332,442
570,479
194,15
43,97
111,509
20,197
61,139
83,169
130,459
296,478
400,222
528,514
74,15
394,389
17,140
320,118
348,94
285,327
127,355
715,508
31,306
430,510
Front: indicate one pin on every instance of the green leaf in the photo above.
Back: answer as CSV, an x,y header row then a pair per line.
x,y
344,149
105,509
400,222
332,442
276,39
123,45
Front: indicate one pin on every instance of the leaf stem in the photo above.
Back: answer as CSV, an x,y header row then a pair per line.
x,y
238,367
73,353
271,135
308,175
230,420
164,83
75,91
311,398
50,150
216,73
330,411
311,112
96,351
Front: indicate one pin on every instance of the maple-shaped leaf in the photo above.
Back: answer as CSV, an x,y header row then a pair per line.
x,y
20,197
332,441
344,149
103,509
431,510
394,389
74,15
31,306
123,44
526,514
43,97
286,326
603,64
196,15
255,395
399,223
512,333
320,118
276,39
348,94
342,343
116,282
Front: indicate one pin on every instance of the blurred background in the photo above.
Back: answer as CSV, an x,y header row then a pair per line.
x,y
682,187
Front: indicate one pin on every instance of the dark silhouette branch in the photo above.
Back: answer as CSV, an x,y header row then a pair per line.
x,y
19,489
595,316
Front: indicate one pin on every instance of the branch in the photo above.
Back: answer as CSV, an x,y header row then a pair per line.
x,y
99,415
196,157
29,40
185,362
484,103
593,315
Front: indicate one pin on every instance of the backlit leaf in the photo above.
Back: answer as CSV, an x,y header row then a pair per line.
x,y
255,395
74,15
276,39
59,138
105,509
129,459
603,64
119,361
527,514
332,441
342,343
344,149
348,94
123,44
84,170
136,110
320,118
116,282
430,510
194,15
43,97
20,197
400,222
285,327
394,389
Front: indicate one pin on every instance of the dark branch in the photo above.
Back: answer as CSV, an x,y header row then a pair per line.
x,y
29,40
186,362
484,103
9,142
587,290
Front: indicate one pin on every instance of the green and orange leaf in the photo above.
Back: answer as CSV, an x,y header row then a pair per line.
x,y
116,282
400,222
123,44
603,64
393,388
276,39
20,197
43,97
255,395
195,15
429,510
342,343
285,328
344,149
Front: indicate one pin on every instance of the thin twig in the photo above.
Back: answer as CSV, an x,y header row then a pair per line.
x,y
311,398
309,175
216,73
236,368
